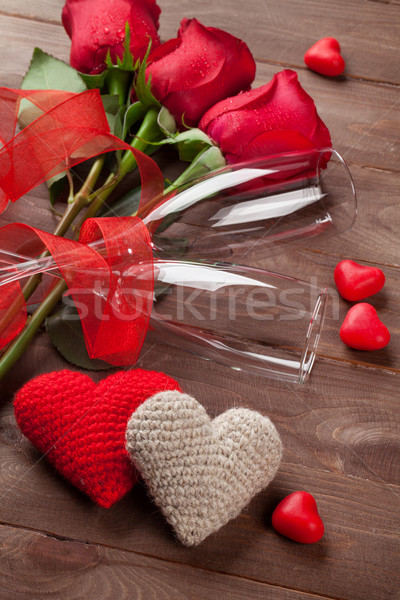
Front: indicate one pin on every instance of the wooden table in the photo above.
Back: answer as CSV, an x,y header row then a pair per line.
x,y
340,431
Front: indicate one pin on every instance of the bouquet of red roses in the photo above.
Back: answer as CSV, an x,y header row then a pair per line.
x,y
124,95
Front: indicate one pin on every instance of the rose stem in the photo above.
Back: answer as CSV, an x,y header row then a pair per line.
x,y
184,177
20,344
119,84
149,131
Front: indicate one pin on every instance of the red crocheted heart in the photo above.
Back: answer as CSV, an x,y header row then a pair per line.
x,y
80,426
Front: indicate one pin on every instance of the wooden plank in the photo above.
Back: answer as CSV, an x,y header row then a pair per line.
x,y
340,431
351,428
19,37
282,31
328,422
361,521
372,238
362,117
317,268
332,439
38,565
375,232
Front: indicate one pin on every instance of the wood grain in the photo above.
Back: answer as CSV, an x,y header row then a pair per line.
x,y
317,267
281,32
38,565
340,431
350,429
376,248
360,531
362,117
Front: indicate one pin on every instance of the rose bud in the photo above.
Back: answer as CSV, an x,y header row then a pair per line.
x,y
201,66
275,118
97,26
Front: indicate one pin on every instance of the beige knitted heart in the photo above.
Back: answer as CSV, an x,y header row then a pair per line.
x,y
201,472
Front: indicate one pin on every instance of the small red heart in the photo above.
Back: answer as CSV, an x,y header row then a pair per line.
x,y
363,330
297,518
356,282
80,426
324,57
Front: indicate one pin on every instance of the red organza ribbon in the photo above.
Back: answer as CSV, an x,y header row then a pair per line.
x,y
112,287
110,281
71,128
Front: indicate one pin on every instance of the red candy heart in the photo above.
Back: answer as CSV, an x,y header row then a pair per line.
x,y
363,330
80,426
324,57
297,518
356,282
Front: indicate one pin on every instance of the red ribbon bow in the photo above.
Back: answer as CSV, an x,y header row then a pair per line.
x,y
112,288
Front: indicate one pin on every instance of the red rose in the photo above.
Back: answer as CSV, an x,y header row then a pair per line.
x,y
201,66
277,117
96,26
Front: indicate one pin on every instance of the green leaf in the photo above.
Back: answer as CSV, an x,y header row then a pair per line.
x,y
125,206
207,161
111,108
56,185
110,103
189,146
135,112
192,135
95,81
65,331
126,64
190,143
127,117
108,60
166,122
143,89
119,122
48,73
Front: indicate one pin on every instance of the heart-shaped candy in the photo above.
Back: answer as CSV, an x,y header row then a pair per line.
x,y
356,282
363,330
297,518
201,472
324,57
80,426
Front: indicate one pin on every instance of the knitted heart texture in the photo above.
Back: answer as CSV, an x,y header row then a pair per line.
x,y
80,425
201,472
